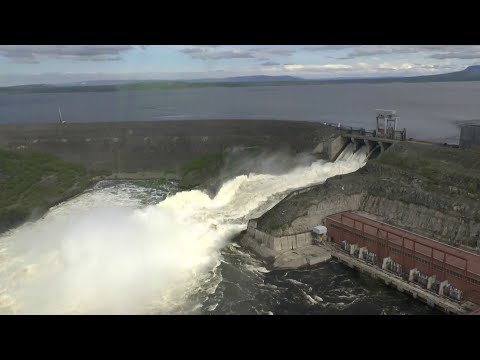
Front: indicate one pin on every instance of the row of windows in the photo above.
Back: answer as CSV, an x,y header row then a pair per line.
x,y
474,282
455,274
364,238
436,267
421,261
394,250
408,255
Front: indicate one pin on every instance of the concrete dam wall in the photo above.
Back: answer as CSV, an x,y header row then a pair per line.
x,y
279,243
163,145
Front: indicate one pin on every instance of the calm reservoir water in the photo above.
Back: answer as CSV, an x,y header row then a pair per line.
x,y
429,111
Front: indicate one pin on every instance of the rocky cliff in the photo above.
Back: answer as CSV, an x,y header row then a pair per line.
x,y
425,198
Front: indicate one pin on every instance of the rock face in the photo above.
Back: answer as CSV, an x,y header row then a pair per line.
x,y
443,210
447,226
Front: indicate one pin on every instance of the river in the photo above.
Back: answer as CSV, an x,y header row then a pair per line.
x,y
146,248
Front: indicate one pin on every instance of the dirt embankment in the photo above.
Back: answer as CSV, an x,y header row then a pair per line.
x,y
424,188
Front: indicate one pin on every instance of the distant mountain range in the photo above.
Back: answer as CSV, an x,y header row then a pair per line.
x,y
471,73
238,79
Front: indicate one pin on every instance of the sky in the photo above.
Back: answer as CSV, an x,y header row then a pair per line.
x,y
57,64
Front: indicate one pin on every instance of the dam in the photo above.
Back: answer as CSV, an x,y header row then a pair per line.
x,y
152,146
440,274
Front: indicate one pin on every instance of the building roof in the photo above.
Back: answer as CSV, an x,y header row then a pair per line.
x,y
457,256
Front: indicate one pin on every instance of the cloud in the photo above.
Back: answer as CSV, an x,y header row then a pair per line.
x,y
208,46
457,55
365,69
274,51
316,68
202,53
270,63
431,51
328,47
397,66
367,50
212,53
364,50
36,53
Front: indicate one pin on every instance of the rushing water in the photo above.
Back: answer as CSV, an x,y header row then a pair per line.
x,y
429,111
125,248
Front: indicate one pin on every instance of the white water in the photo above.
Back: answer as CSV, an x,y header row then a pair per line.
x,y
101,253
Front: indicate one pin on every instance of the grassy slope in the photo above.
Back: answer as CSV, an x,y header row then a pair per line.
x,y
32,182
444,170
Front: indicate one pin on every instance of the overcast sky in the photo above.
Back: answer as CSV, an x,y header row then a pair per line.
x,y
28,64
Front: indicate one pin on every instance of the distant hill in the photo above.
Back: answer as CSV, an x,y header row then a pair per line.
x,y
255,78
471,73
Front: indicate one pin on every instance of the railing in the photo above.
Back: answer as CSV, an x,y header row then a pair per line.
x,y
400,135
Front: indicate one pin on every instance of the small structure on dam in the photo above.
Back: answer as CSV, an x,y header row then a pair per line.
x,y
443,270
319,234
387,125
377,140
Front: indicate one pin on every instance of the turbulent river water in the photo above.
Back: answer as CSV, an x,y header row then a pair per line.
x,y
130,248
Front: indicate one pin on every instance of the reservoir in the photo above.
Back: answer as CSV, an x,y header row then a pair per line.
x,y
430,111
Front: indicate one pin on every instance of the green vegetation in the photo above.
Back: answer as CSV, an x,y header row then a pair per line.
x,y
32,182
441,168
202,163
200,169
157,85
404,162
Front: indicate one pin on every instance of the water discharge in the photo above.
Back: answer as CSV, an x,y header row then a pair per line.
x,y
103,253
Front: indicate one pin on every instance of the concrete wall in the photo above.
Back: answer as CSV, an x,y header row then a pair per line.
x,y
336,146
330,148
288,242
436,224
470,136
328,206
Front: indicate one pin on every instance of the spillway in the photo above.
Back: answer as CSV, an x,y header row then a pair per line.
x,y
105,253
